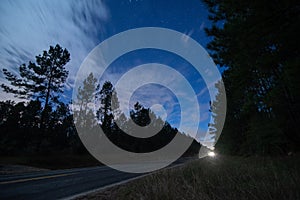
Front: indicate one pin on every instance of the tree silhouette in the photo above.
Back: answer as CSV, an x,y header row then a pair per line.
x,y
105,113
140,115
43,80
85,96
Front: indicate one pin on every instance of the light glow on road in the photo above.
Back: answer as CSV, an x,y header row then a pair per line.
x,y
211,154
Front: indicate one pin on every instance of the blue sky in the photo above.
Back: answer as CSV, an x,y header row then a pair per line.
x,y
29,27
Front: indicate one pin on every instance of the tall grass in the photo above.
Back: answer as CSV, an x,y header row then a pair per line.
x,y
217,178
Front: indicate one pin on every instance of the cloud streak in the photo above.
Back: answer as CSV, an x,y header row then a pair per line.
x,y
29,27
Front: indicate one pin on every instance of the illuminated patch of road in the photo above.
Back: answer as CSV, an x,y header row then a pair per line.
x,y
211,154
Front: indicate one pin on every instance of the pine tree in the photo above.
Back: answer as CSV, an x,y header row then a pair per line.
x,y
105,111
84,115
43,80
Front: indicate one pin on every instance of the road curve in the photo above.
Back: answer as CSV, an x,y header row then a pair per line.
x,y
58,184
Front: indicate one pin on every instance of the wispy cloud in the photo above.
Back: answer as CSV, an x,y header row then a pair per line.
x,y
185,37
202,26
29,27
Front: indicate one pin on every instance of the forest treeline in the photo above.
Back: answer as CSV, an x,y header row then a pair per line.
x,y
44,124
257,45
255,42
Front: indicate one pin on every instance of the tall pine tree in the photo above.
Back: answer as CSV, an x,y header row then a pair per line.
x,y
43,80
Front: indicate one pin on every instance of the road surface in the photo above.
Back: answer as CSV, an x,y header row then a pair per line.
x,y
58,184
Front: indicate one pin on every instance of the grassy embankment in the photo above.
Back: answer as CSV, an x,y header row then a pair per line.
x,y
222,177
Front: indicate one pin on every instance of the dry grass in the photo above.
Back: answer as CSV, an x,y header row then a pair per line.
x,y
217,178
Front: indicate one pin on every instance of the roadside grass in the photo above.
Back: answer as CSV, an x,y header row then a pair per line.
x,y
57,161
222,177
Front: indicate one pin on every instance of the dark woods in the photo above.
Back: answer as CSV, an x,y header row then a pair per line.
x,y
44,124
257,44
116,125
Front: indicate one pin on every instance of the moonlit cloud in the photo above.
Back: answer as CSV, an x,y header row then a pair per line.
x,y
29,27
202,26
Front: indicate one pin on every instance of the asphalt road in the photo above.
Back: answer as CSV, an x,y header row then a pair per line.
x,y
57,184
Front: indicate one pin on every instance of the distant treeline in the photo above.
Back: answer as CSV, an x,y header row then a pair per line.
x,y
45,125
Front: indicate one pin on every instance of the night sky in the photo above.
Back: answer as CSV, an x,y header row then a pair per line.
x,y
29,27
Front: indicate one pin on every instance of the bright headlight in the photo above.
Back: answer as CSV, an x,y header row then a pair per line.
x,y
211,154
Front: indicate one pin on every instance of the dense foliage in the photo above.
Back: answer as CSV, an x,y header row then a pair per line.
x,y
257,44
